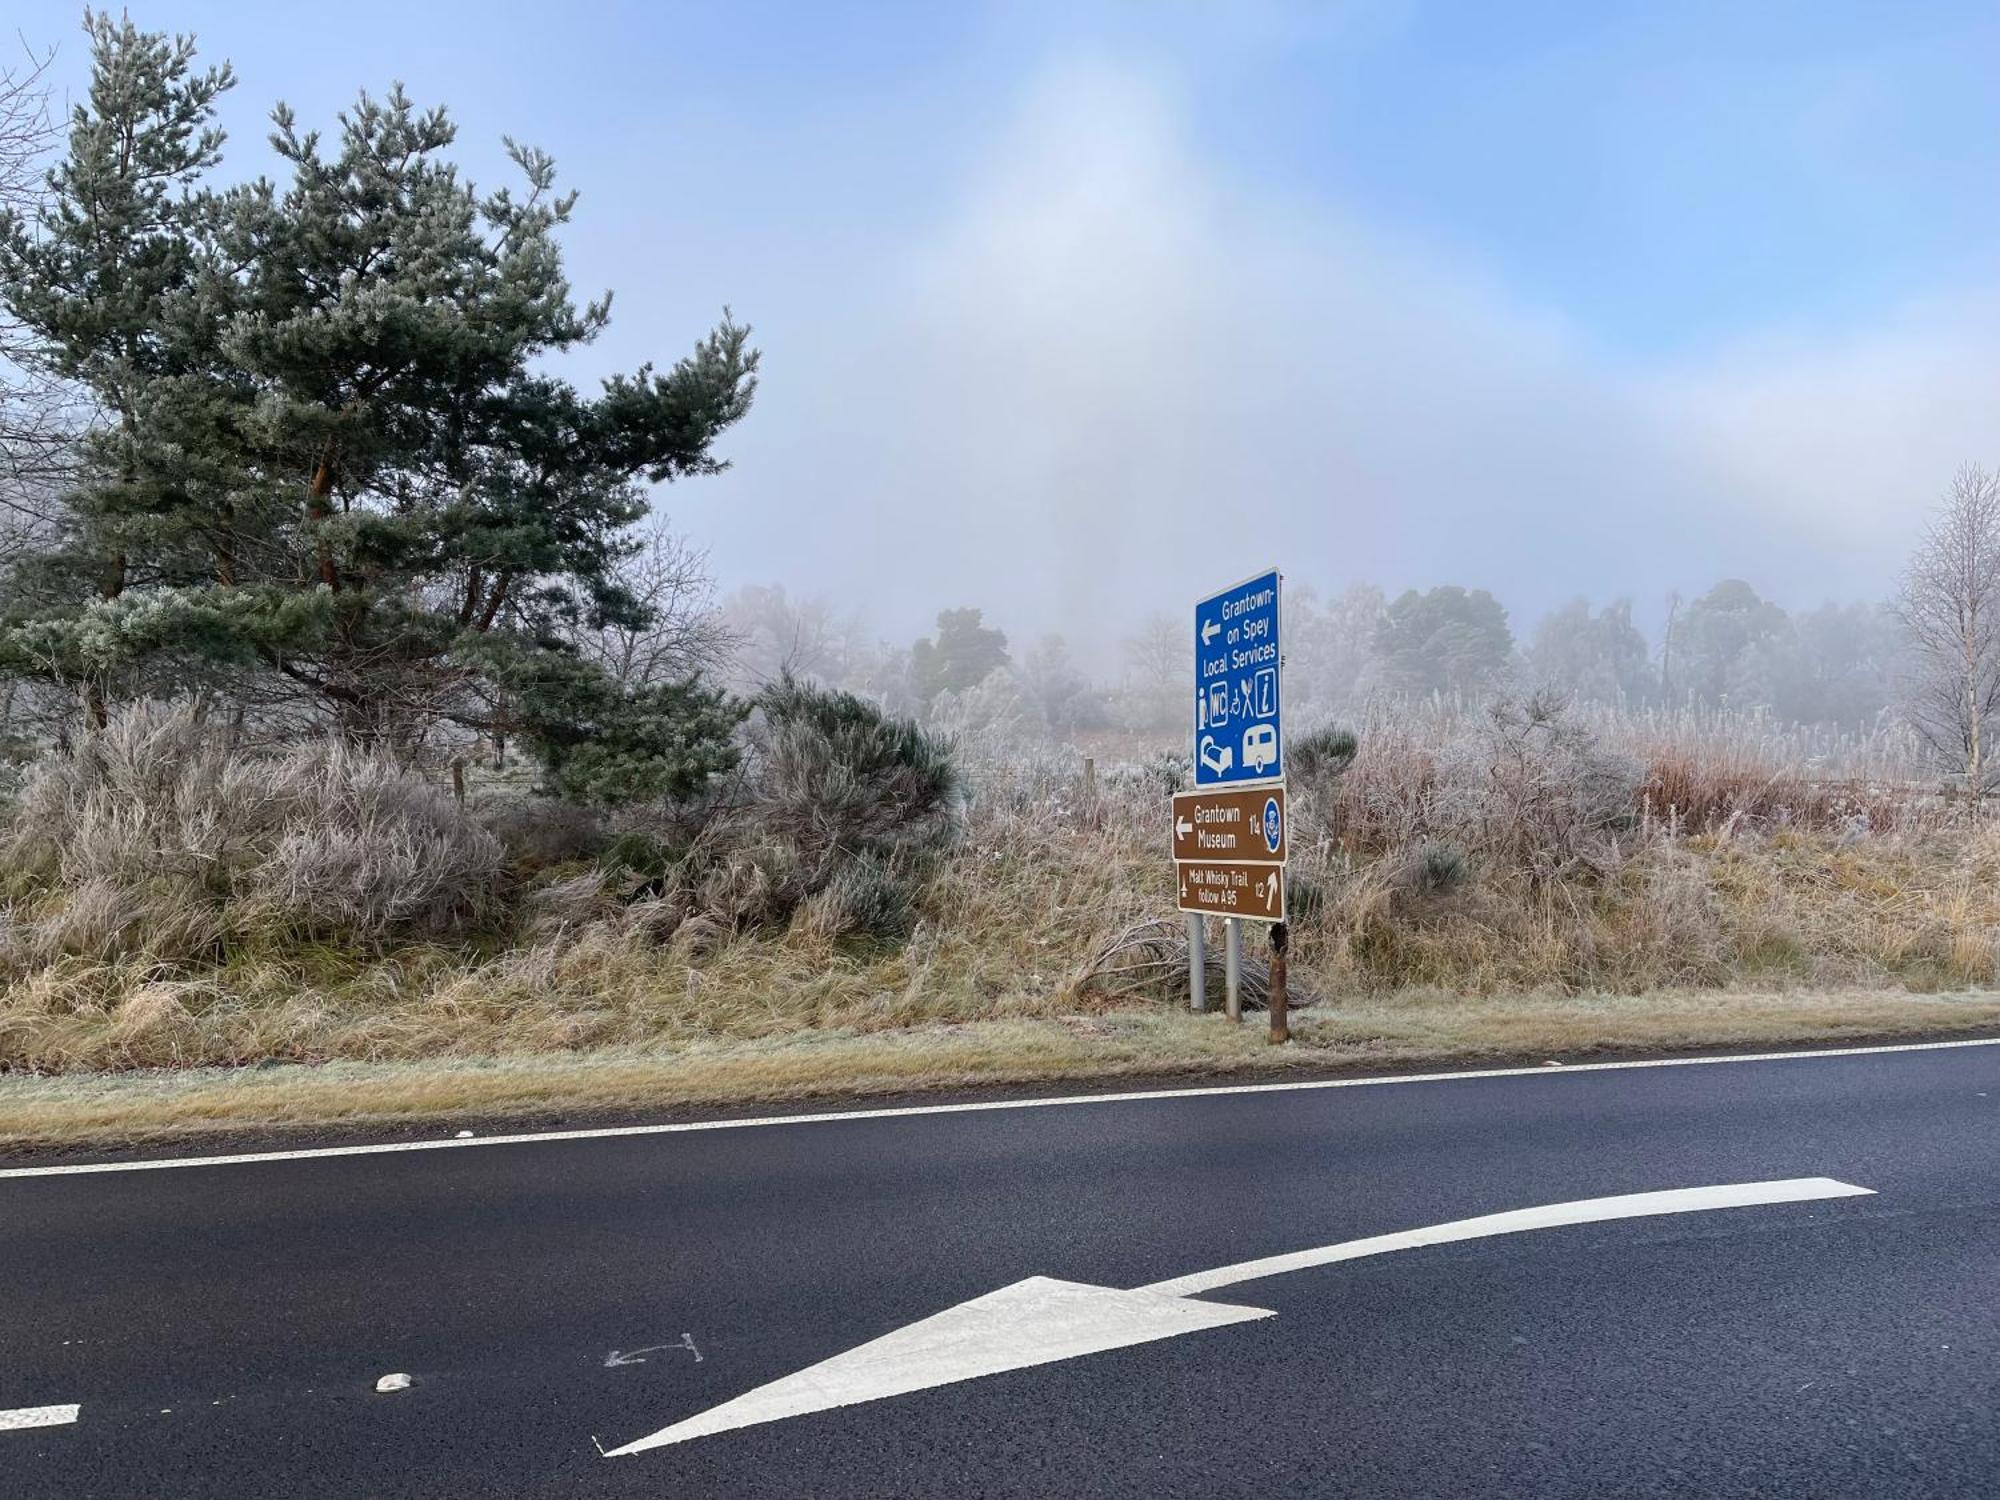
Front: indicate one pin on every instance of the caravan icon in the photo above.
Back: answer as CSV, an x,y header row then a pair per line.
x,y
1260,747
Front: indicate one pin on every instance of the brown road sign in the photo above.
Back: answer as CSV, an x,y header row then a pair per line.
x,y
1256,893
1246,825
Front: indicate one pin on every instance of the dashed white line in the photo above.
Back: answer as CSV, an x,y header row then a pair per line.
x,y
22,1417
835,1117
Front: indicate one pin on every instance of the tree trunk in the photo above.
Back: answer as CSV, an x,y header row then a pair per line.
x,y
493,604
319,510
225,549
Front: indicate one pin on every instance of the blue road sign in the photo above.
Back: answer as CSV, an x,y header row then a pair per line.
x,y
1239,730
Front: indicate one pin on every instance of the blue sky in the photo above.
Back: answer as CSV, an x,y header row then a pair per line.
x,y
1600,298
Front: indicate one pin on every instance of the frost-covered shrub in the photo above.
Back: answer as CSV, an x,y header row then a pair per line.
x,y
864,899
156,835
1320,756
835,779
841,815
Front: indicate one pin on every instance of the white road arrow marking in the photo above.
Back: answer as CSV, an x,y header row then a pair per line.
x,y
1042,1320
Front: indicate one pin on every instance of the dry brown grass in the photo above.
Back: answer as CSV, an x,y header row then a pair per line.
x,y
1779,912
1411,1030
1007,932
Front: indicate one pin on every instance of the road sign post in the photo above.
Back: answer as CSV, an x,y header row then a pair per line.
x,y
1229,834
1197,962
1232,970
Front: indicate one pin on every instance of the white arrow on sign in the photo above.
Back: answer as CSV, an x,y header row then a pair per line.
x,y
1183,827
1041,1320
1209,631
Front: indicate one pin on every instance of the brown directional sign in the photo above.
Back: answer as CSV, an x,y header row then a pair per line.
x,y
1256,893
1245,825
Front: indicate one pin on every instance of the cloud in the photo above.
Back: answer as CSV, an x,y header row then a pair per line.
x,y
1852,436
1110,378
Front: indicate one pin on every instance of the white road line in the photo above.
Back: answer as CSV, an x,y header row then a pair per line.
x,y
835,1117
37,1416
1515,1221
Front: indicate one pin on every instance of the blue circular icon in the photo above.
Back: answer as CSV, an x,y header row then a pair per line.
x,y
1274,825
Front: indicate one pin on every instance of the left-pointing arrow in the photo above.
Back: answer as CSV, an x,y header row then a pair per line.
x,y
1032,1322
1041,1320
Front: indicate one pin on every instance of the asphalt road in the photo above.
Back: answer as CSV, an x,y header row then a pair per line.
x,y
220,1329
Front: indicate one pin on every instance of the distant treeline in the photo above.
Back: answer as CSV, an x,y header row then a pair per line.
x,y
1837,665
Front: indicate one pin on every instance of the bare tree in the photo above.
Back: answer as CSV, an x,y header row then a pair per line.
x,y
1667,648
38,414
1158,675
778,636
684,633
1950,605
1160,654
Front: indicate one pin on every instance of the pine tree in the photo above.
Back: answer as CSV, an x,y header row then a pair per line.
x,y
339,473
965,653
95,283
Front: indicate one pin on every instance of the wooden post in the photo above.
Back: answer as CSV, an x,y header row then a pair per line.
x,y
1281,1026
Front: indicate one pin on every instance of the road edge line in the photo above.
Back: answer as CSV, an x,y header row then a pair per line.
x,y
831,1117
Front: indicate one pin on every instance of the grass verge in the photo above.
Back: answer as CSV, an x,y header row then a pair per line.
x,y
1406,1030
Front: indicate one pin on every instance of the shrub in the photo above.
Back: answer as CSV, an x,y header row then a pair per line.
x,y
540,831
1535,790
636,852
864,899
843,812
156,835
1322,755
1305,895
1437,867
835,779
1166,772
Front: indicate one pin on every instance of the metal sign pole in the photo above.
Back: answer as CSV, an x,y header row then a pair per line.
x,y
1197,963
1232,970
